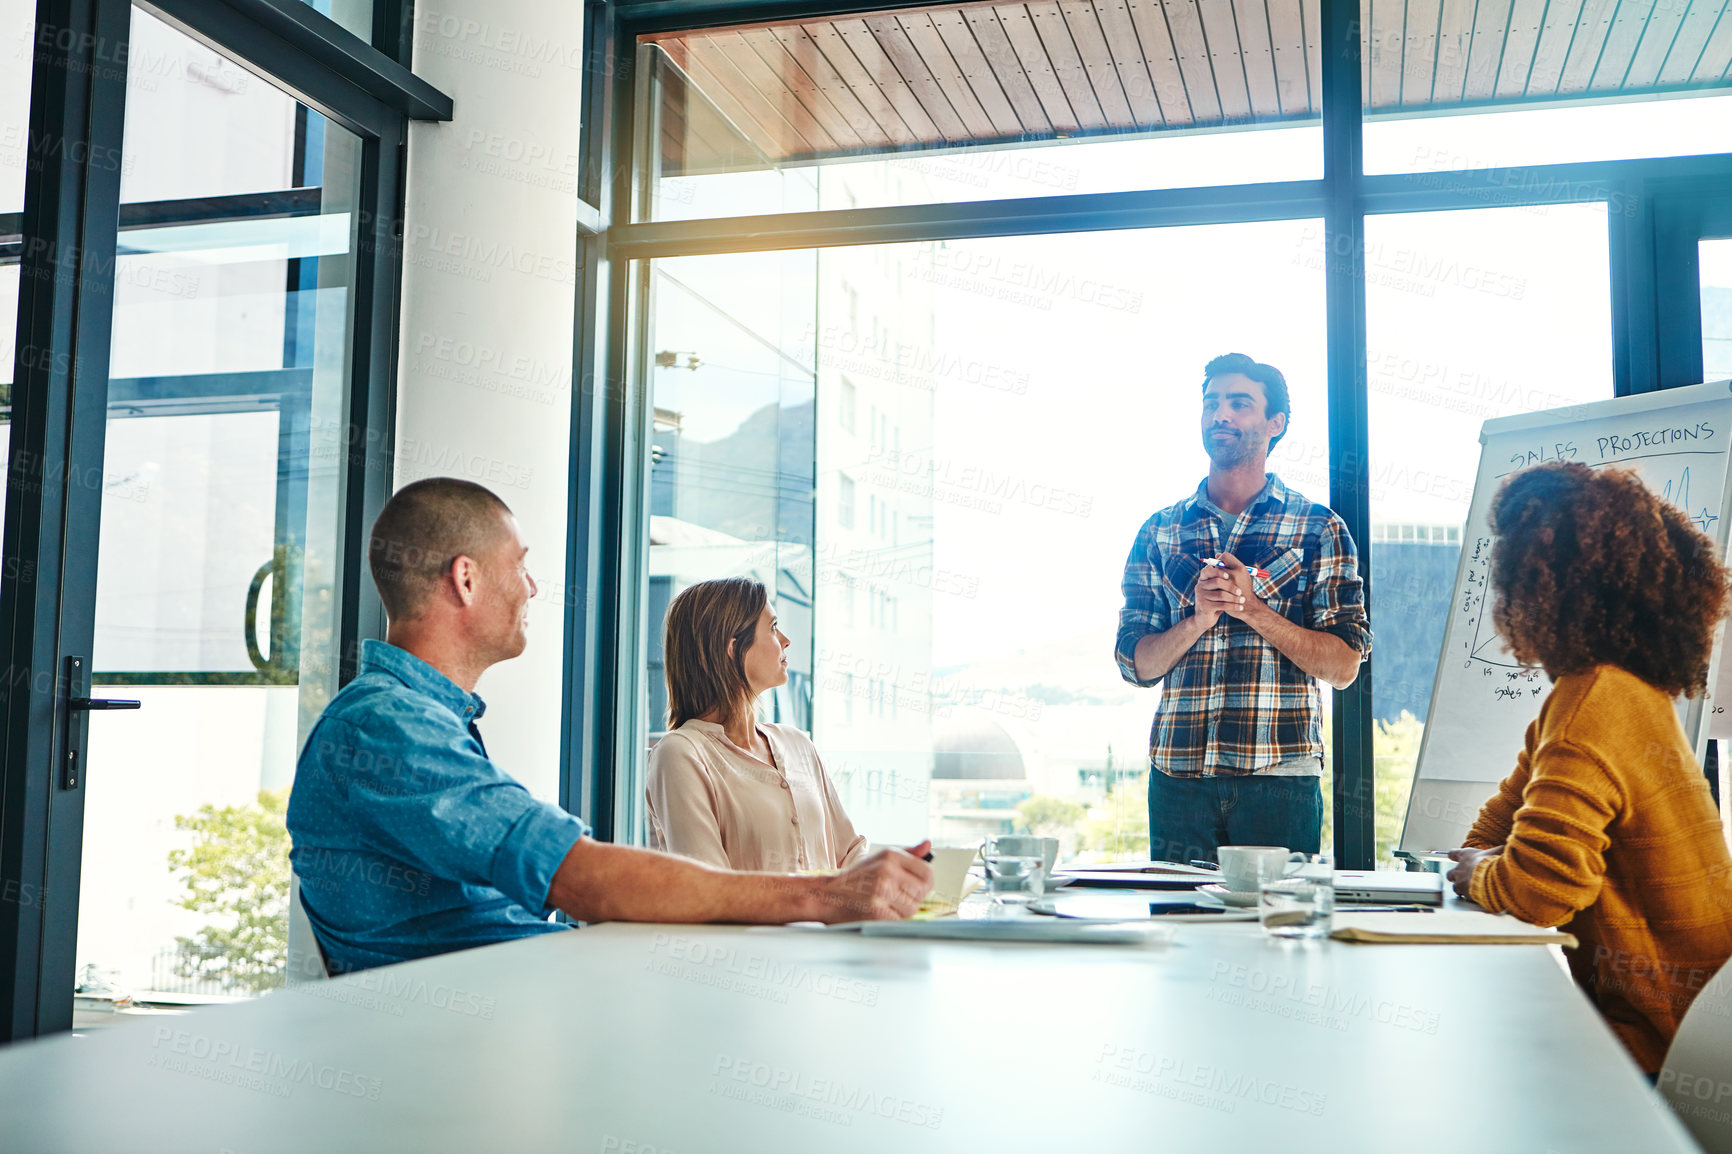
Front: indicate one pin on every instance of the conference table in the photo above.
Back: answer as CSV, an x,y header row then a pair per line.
x,y
659,1039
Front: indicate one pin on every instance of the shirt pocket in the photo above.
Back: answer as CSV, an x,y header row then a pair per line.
x,y
1184,560
1284,589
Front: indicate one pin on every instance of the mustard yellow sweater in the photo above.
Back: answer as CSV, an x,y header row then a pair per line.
x,y
1609,831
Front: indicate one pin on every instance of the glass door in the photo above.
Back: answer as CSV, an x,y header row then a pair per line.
x,y
220,512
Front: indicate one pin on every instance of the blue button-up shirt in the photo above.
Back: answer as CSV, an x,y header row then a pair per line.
x,y
407,839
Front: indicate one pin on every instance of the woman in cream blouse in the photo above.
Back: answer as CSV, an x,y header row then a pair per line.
x,y
725,788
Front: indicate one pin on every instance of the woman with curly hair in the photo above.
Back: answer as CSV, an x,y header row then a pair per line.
x,y
1606,827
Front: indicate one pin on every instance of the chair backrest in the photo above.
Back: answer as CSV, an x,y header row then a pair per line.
x,y
1696,1080
306,959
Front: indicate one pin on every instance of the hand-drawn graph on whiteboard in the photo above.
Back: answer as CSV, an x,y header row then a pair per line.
x,y
1483,698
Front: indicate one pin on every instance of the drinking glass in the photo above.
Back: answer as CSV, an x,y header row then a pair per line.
x,y
1015,867
1296,898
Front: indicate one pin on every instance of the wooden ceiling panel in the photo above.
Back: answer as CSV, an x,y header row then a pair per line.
x,y
1686,50
1485,54
1186,28
722,96
1084,25
1554,47
713,68
1067,64
1251,18
1312,10
811,60
1716,60
1287,35
893,45
1383,49
982,72
1521,41
1221,31
1454,46
1590,36
770,84
1150,21
1666,21
1042,75
1007,70
977,72
1419,51
1129,61
867,55
942,66
1620,46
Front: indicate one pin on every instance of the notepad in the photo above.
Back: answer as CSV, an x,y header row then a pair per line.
x,y
1446,927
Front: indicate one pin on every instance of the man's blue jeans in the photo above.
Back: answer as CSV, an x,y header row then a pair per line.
x,y
1189,817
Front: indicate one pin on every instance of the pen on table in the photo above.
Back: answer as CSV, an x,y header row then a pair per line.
x,y
1253,570
1205,865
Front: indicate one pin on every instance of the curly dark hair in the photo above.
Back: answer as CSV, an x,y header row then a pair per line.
x,y
1591,567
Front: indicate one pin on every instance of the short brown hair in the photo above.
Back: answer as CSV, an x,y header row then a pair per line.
x,y
422,529
1275,397
702,676
1592,568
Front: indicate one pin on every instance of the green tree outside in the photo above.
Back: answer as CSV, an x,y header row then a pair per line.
x,y
1047,816
237,873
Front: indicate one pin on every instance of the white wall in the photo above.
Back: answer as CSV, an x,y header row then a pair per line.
x,y
484,388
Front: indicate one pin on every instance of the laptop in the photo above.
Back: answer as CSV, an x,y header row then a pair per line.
x,y
1389,887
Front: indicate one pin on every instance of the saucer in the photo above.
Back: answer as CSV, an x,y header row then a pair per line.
x,y
1228,897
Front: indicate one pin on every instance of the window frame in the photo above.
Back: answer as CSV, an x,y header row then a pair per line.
x,y
60,398
1643,265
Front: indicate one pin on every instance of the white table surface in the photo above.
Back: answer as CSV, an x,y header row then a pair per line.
x,y
679,1040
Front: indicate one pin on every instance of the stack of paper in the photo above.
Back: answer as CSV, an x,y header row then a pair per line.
x,y
1451,927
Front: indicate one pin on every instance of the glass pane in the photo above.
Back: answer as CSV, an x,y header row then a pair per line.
x,y
946,450
216,564
975,102
1716,265
17,36
1457,305
178,91
1479,86
354,15
17,49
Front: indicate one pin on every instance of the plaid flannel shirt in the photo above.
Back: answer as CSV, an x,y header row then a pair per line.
x,y
1234,704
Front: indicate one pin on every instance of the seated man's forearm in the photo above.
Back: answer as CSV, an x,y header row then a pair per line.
x,y
598,882
1157,653
1323,655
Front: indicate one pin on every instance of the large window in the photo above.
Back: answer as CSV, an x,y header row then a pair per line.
x,y
17,23
1455,303
1716,265
981,697
215,576
937,456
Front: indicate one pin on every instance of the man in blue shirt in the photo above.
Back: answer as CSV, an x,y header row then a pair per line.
x,y
408,841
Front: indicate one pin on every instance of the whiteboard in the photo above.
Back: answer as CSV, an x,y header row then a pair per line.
x,y
1482,699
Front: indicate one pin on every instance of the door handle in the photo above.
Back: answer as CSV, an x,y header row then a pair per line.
x,y
78,701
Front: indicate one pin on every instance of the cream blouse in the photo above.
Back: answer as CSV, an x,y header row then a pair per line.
x,y
712,801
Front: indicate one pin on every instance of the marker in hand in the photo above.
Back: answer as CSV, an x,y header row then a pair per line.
x,y
1220,564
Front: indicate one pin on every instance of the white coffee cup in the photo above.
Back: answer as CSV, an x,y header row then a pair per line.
x,y
1241,864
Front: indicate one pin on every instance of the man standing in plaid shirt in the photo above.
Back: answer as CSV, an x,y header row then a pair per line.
x,y
1237,744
